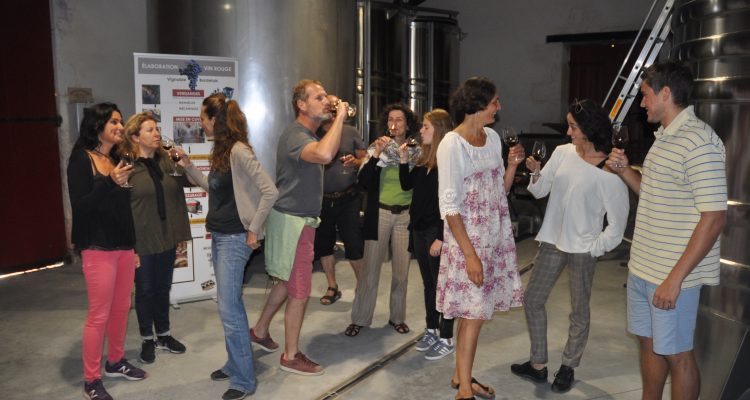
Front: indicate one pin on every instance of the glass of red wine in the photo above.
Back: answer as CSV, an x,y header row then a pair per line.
x,y
620,139
539,152
510,137
168,145
128,159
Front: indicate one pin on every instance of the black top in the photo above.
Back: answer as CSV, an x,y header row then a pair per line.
x,y
223,216
102,219
424,212
369,180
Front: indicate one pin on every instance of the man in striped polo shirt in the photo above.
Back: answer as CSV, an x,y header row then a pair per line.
x,y
681,213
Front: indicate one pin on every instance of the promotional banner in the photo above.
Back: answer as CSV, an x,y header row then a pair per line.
x,y
172,88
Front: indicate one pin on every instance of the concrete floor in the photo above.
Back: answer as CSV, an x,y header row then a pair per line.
x,y
42,316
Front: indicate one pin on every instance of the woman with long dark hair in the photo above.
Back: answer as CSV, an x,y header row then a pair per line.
x,y
582,190
241,194
478,269
426,228
161,222
103,233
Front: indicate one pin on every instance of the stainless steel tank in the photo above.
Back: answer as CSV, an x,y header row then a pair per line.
x,y
714,37
433,62
407,54
276,42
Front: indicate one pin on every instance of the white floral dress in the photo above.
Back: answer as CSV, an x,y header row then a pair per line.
x,y
472,186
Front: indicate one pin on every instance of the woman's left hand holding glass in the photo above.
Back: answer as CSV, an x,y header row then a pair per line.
x,y
516,155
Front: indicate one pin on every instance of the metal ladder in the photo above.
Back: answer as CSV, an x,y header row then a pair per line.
x,y
648,54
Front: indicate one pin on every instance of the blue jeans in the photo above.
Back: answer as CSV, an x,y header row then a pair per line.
x,y
229,254
153,281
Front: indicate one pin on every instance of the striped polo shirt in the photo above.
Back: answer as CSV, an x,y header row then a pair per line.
x,y
683,175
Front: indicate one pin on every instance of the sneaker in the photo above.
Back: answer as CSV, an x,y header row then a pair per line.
x,y
525,370
439,350
564,378
147,351
265,343
95,391
428,340
219,375
234,394
170,344
301,365
124,369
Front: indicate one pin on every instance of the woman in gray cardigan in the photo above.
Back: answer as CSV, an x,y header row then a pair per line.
x,y
241,194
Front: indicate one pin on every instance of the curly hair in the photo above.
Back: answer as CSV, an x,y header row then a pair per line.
x,y
594,123
133,128
230,127
412,124
94,120
475,94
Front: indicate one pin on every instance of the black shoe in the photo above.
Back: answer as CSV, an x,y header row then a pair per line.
x,y
147,351
563,379
234,394
219,375
169,344
95,391
525,370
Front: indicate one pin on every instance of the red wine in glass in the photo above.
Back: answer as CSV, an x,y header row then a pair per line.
x,y
128,159
620,139
412,142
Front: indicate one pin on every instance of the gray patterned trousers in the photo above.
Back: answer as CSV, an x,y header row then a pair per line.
x,y
548,265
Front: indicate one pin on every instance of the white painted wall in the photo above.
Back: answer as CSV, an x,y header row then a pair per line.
x,y
506,42
93,42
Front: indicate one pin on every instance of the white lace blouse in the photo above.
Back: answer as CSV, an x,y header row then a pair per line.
x,y
458,159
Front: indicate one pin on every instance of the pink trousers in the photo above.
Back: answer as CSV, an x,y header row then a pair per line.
x,y
109,281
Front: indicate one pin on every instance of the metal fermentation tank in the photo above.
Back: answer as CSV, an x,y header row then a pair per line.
x,y
713,36
406,54
276,43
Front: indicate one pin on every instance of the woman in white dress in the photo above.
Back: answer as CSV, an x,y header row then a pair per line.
x,y
478,271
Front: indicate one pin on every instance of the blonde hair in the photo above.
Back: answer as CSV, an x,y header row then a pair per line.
x,y
442,124
133,128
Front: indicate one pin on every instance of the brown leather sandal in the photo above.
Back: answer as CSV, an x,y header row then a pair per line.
x,y
487,391
400,328
352,330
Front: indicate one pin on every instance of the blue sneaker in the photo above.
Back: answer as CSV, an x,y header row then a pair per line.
x,y
440,349
428,340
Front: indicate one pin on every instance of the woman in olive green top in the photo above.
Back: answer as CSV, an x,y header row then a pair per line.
x,y
161,222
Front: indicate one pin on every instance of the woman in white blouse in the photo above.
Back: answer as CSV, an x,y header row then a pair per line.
x,y
478,271
582,191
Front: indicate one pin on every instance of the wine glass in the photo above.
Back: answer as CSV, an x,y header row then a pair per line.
x,y
412,142
539,152
351,109
128,159
168,146
620,139
343,155
510,138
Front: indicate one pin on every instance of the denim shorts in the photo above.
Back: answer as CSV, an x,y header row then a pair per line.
x,y
672,330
